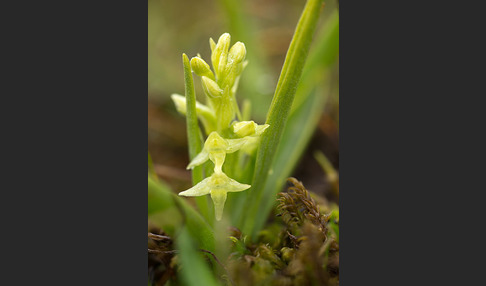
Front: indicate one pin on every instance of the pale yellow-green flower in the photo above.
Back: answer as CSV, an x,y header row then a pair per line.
x,y
248,128
215,149
250,131
218,185
237,53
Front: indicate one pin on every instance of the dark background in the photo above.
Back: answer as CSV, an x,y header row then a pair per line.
x,y
411,145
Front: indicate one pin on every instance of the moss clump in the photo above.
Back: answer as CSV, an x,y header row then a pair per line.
x,y
300,249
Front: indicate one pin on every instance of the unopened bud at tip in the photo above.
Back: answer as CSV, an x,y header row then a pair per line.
x,y
238,52
224,38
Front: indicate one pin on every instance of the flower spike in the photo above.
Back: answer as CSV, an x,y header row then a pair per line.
x,y
220,85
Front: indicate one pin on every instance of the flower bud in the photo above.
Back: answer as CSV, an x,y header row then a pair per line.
x,y
237,53
219,55
234,66
248,128
211,88
244,128
201,68
250,133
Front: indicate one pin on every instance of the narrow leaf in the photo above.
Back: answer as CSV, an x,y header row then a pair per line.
x,y
280,107
193,138
312,94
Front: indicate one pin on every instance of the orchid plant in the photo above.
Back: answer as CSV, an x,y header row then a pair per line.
x,y
230,153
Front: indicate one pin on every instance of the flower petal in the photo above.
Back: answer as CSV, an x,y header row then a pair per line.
x,y
200,189
234,186
201,158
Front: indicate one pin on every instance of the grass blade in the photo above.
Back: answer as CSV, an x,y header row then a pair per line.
x,y
309,100
193,135
280,107
298,132
323,55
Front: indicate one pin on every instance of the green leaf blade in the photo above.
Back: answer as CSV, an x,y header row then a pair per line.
x,y
193,135
280,107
